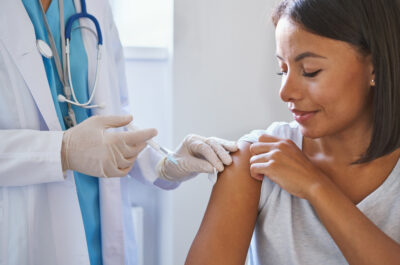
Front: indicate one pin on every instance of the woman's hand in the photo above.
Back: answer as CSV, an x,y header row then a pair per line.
x,y
285,164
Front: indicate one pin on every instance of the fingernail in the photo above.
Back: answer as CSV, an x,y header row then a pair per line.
x,y
260,177
252,159
251,149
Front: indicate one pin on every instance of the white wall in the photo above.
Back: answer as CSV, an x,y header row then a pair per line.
x,y
149,78
224,84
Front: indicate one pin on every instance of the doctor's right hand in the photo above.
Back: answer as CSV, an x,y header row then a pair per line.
x,y
89,149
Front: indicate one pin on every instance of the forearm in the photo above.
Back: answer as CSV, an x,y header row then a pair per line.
x,y
360,240
30,157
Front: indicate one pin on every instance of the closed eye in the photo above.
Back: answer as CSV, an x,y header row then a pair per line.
x,y
313,74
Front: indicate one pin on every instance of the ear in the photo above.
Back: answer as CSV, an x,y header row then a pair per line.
x,y
371,70
372,82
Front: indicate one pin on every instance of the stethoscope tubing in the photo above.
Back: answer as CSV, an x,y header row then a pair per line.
x,y
76,102
64,71
71,20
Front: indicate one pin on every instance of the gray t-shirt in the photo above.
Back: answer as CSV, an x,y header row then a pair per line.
x,y
288,231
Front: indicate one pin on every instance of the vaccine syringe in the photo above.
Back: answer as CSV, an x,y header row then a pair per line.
x,y
155,146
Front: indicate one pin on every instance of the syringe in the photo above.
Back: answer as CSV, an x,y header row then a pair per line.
x,y
155,145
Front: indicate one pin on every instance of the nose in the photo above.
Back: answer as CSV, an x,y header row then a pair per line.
x,y
290,89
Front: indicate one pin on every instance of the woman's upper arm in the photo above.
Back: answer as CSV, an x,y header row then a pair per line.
x,y
225,233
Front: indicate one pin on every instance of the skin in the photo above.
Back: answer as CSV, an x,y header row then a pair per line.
x,y
225,233
46,4
337,132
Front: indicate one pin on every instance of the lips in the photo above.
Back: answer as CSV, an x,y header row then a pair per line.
x,y
303,116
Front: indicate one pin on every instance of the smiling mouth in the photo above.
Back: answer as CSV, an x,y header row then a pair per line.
x,y
303,116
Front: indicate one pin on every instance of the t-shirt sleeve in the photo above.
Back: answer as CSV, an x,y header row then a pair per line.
x,y
275,130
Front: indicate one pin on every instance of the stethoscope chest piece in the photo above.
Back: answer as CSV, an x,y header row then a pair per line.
x,y
44,49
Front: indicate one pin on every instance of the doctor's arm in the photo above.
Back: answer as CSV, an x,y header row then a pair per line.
x,y
225,233
30,157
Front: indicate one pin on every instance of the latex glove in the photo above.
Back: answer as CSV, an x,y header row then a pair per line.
x,y
90,149
197,154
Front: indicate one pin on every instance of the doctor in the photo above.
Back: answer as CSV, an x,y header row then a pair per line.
x,y
61,201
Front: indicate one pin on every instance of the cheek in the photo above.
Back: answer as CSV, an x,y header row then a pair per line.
x,y
341,104
343,94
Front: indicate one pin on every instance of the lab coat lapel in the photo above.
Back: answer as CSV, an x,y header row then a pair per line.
x,y
18,36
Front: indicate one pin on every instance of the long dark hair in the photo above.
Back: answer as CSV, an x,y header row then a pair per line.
x,y
373,28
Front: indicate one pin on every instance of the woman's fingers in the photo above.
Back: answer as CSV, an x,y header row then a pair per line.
x,y
259,170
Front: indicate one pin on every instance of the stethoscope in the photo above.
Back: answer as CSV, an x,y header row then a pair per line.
x,y
64,70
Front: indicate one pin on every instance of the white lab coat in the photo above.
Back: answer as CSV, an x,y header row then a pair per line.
x,y
40,217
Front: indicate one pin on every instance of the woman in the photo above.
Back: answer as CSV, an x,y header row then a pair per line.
x,y
330,190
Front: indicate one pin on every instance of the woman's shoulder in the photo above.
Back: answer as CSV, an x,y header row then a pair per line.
x,y
280,129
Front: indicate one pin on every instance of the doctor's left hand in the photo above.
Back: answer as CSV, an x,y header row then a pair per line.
x,y
197,154
89,149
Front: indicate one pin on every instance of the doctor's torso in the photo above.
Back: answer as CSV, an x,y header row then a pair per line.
x,y
40,219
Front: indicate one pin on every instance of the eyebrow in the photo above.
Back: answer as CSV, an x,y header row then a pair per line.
x,y
304,55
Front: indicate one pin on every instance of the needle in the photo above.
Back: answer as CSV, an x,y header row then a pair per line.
x,y
156,146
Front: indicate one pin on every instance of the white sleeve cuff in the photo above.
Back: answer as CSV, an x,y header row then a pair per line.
x,y
30,157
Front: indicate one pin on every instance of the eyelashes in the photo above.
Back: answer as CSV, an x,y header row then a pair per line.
x,y
305,74
313,74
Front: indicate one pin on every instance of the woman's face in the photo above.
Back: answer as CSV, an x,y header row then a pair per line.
x,y
326,83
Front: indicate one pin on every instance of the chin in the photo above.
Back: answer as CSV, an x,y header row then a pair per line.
x,y
312,132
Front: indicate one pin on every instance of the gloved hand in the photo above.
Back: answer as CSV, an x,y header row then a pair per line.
x,y
197,154
88,148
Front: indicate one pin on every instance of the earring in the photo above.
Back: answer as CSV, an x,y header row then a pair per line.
x,y
373,82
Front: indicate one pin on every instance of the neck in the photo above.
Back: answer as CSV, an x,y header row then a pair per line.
x,y
46,4
344,147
